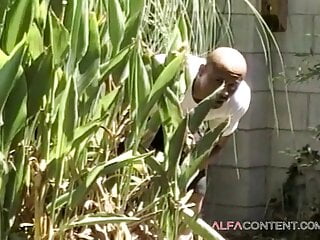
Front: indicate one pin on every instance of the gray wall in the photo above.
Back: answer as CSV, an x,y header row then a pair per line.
x,y
240,190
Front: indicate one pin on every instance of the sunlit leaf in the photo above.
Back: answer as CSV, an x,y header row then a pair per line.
x,y
116,24
59,38
92,219
110,167
199,226
199,155
89,64
17,23
8,72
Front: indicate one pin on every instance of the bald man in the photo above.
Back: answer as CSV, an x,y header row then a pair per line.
x,y
222,66
225,66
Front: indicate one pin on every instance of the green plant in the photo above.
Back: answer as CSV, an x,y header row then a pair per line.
x,y
80,94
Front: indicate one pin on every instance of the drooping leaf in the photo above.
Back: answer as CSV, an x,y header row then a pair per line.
x,y
165,78
201,110
200,227
120,59
106,168
199,155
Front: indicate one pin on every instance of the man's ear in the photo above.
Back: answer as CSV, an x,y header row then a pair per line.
x,y
202,70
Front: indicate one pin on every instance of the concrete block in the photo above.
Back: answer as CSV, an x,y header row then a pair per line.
x,y
299,111
286,140
295,65
276,177
303,7
316,46
253,150
257,74
226,187
232,213
298,36
245,36
314,110
258,112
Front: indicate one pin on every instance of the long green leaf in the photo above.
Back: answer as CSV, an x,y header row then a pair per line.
x,y
92,219
70,112
138,82
201,110
171,109
35,41
106,102
79,37
3,9
133,23
200,227
120,59
59,36
165,78
199,155
8,72
176,144
15,110
17,23
14,190
116,24
39,79
89,64
110,167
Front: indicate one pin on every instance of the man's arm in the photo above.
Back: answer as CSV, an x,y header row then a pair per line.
x,y
215,151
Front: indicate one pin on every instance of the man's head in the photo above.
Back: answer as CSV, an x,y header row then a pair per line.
x,y
224,65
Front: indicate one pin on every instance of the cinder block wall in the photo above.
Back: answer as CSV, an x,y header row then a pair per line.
x,y
239,189
300,47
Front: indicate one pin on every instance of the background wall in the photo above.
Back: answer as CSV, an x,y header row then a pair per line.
x,y
240,190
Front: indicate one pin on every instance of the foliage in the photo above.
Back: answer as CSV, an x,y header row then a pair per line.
x,y
299,200
80,95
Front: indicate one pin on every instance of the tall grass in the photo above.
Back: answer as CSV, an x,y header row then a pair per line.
x,y
80,96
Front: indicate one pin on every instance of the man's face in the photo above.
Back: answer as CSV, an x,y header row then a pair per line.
x,y
212,77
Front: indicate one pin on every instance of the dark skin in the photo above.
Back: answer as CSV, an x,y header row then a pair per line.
x,y
224,66
216,75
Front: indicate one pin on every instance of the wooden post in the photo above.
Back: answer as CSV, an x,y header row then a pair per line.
x,y
275,13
